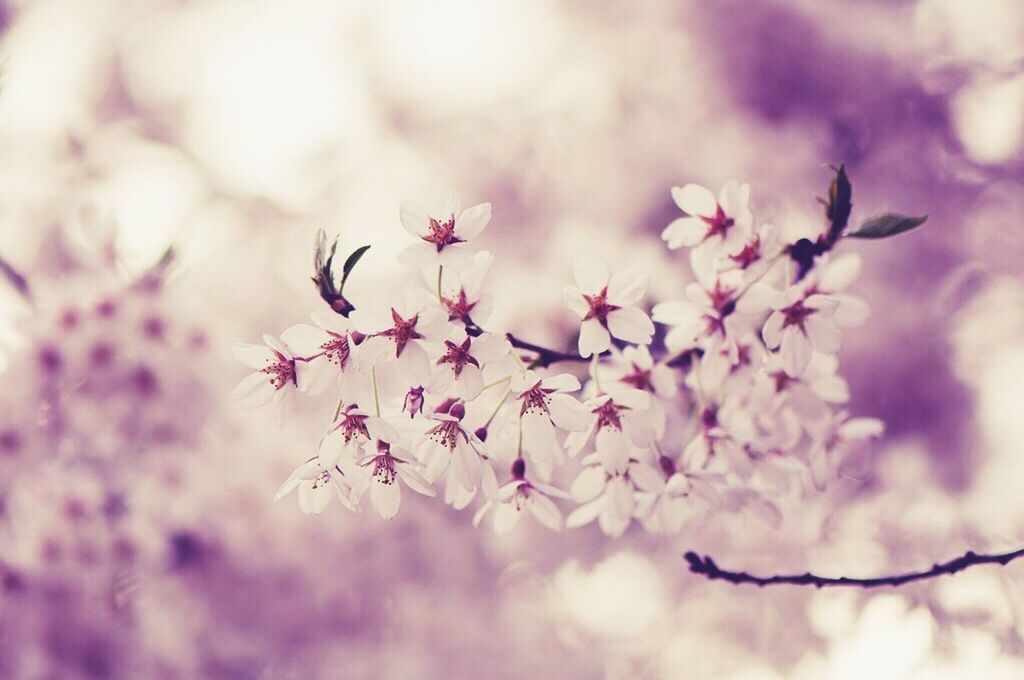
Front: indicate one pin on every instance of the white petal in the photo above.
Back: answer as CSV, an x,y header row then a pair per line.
x,y
574,300
594,338
441,203
472,221
419,254
254,356
772,331
414,364
506,516
568,414
627,288
823,334
545,511
585,514
620,497
539,437
589,484
385,498
631,324
563,382
313,501
646,478
861,428
470,383
254,390
456,257
694,199
795,351
758,298
414,217
304,340
852,311
684,231
591,274
414,481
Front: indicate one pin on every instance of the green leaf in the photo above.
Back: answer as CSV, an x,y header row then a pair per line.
x,y
839,205
886,225
351,262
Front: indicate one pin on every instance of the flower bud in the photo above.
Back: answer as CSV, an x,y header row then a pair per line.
x,y
481,433
413,401
445,406
519,469
458,410
357,337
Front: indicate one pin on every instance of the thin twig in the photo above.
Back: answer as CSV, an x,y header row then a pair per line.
x,y
545,355
705,566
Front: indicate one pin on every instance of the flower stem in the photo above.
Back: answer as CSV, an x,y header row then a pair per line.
x,y
545,355
497,408
440,271
376,396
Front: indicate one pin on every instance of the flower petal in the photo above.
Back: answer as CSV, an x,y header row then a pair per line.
x,y
694,199
631,324
591,274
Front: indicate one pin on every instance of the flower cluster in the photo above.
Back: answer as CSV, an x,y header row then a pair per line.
x,y
737,401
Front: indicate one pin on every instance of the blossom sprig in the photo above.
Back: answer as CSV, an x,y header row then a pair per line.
x,y
738,401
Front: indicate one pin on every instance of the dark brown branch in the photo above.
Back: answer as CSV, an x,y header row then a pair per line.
x,y
545,355
705,566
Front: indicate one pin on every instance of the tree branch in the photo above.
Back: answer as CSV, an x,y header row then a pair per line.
x,y
545,355
705,566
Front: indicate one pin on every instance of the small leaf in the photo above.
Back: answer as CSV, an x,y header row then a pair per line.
x,y
886,225
350,263
840,203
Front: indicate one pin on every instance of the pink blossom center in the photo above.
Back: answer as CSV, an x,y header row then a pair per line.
x,y
442,233
639,378
719,224
281,371
599,307
403,331
447,434
796,314
353,425
459,309
337,349
535,400
608,416
458,356
750,254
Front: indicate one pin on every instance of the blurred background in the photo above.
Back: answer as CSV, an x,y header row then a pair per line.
x,y
137,534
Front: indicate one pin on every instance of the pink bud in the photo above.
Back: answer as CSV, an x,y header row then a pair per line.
x,y
458,410
481,433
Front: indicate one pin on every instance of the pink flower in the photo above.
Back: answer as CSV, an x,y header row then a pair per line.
x,y
719,228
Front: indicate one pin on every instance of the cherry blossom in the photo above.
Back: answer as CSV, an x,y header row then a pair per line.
x,y
450,447
385,464
544,405
325,348
706,316
441,230
276,379
800,324
462,360
415,326
634,367
620,411
832,438
467,301
315,481
522,495
717,227
607,306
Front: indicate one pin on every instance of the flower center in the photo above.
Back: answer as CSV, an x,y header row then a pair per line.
x,y
458,356
337,349
384,467
281,372
403,331
447,434
460,308
599,307
750,254
796,314
442,233
608,416
535,400
322,478
639,378
353,425
723,304
719,224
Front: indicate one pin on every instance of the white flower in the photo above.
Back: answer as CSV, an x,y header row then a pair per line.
x,y
675,496
800,324
315,480
607,489
441,230
718,228
622,411
607,307
522,495
387,464
416,325
276,379
346,435
462,362
636,368
450,447
326,349
467,302
831,440
830,278
706,316
544,405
